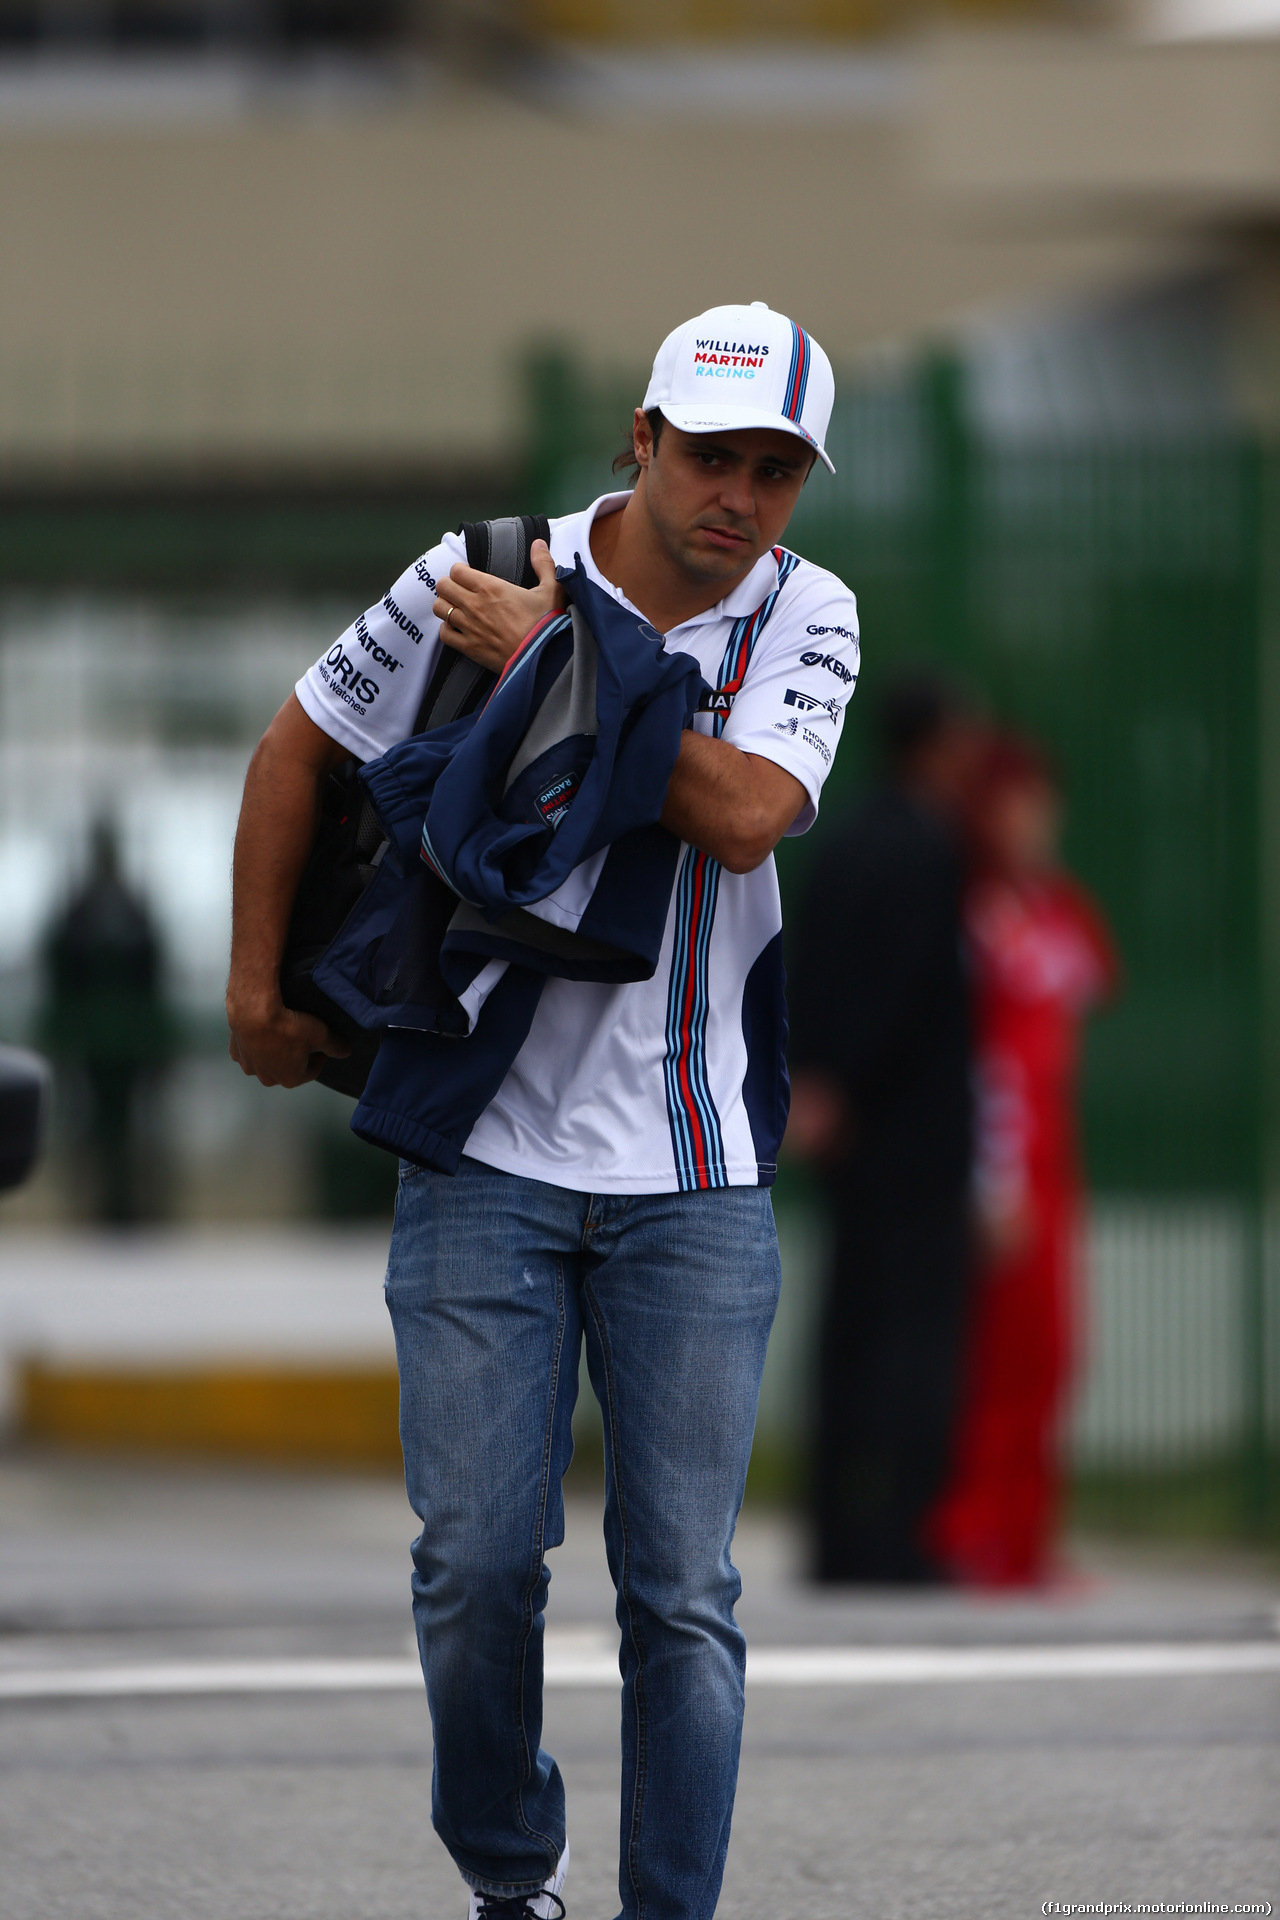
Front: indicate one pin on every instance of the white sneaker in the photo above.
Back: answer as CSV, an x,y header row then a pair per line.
x,y
546,1905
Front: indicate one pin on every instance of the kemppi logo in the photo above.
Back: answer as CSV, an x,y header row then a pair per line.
x,y
827,660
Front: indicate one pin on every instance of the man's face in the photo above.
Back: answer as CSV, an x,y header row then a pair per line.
x,y
717,501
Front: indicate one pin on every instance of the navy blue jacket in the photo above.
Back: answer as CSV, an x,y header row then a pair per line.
x,y
487,816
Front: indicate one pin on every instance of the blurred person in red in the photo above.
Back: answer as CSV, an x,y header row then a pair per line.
x,y
1041,959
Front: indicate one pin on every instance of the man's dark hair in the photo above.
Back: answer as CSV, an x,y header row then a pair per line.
x,y
912,711
626,461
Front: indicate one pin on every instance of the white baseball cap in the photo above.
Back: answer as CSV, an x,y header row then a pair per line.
x,y
744,367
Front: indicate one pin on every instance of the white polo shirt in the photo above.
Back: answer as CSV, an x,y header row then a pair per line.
x,y
653,1087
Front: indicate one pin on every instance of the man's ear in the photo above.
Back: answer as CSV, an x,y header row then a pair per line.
x,y
642,438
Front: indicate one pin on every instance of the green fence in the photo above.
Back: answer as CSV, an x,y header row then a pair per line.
x,y
1108,596
1117,596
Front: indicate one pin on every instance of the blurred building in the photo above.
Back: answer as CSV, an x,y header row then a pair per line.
x,y
282,249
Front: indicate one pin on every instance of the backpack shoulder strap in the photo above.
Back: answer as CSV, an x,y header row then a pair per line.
x,y
500,547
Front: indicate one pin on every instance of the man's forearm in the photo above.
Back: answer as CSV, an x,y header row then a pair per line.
x,y
273,838
277,826
736,806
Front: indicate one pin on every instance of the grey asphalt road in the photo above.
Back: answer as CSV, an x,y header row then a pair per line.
x,y
873,1801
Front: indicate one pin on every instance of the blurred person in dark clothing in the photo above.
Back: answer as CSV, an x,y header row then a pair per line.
x,y
881,1103
105,1021
1041,958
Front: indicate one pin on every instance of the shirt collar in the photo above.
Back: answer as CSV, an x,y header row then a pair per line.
x,y
743,599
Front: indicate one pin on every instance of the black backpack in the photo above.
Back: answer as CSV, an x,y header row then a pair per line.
x,y
349,840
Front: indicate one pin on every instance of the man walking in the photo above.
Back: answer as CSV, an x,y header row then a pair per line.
x,y
615,1190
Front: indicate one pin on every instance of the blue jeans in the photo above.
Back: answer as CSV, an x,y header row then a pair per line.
x,y
492,1284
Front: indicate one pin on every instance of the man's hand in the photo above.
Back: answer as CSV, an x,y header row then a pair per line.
x,y
487,618
278,1046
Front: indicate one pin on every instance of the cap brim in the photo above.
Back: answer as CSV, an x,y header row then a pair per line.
x,y
734,419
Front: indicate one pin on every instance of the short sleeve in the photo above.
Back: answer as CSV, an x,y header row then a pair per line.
x,y
366,689
800,677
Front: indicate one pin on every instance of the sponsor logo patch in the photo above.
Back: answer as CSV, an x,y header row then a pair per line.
x,y
730,350
554,802
716,702
809,703
402,620
828,660
370,645
343,677
809,737
424,574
